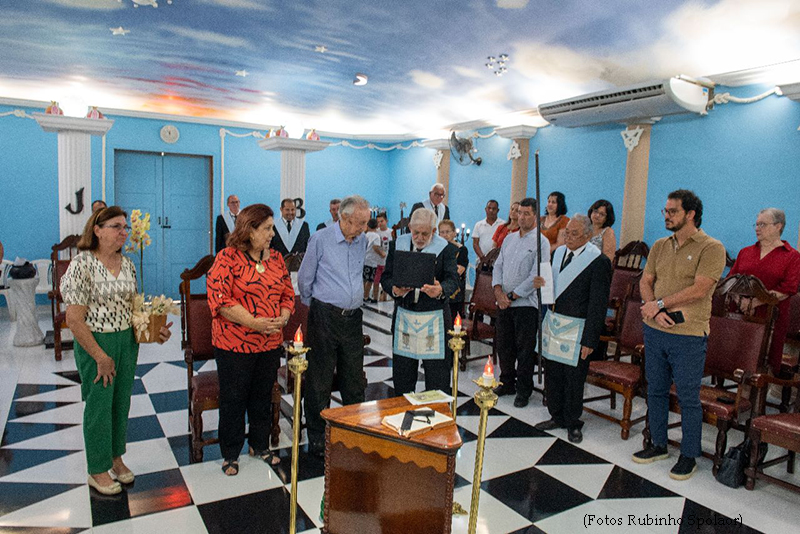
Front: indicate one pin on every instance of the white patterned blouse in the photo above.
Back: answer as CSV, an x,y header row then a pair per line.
x,y
89,283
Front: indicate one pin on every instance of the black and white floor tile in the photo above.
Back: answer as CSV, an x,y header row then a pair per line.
x,y
532,481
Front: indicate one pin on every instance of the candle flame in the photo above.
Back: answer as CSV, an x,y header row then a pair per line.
x,y
489,368
458,319
298,336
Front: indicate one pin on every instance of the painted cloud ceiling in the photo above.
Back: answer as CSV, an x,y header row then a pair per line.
x,y
275,61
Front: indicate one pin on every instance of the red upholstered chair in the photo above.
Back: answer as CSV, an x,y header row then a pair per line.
x,y
781,429
481,304
628,265
625,378
790,363
738,344
62,253
203,388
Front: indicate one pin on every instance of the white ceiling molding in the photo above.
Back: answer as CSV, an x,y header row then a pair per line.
x,y
521,131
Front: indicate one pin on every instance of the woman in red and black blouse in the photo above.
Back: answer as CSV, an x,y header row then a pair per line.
x,y
777,265
251,298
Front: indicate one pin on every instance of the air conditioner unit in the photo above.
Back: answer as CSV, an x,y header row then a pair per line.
x,y
639,102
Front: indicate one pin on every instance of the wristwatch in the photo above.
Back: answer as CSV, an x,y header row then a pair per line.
x,y
511,296
660,304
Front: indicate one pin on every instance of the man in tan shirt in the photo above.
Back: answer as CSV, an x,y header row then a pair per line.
x,y
677,285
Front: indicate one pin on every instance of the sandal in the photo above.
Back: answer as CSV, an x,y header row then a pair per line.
x,y
230,464
267,456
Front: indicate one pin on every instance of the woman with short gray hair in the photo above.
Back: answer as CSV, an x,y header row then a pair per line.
x,y
777,265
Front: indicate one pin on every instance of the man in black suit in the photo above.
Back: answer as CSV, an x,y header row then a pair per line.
x,y
582,280
226,223
428,306
291,234
334,209
435,203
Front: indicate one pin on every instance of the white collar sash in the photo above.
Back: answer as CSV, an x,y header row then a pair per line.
x,y
436,246
288,237
562,279
228,218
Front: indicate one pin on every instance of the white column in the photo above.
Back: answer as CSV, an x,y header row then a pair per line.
x,y
293,162
293,174
74,166
519,167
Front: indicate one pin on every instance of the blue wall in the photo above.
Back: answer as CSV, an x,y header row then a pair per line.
x,y
739,159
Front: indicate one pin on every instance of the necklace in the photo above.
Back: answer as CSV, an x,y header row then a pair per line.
x,y
260,263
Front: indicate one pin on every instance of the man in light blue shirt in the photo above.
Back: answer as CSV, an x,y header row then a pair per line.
x,y
330,284
518,318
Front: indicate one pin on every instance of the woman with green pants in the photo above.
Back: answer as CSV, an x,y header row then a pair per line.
x,y
98,289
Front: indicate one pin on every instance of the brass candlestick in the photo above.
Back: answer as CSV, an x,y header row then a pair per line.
x,y
297,366
485,398
456,345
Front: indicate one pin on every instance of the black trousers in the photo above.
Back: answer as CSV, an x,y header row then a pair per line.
x,y
563,386
337,344
437,373
245,386
516,347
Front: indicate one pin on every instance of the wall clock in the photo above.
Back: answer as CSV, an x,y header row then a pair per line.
x,y
170,134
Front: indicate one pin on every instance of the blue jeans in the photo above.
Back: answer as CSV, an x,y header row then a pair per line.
x,y
668,358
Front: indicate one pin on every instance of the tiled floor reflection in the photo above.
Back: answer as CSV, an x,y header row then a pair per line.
x,y
532,481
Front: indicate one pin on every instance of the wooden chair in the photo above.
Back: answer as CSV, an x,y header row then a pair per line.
x,y
625,378
628,265
790,361
632,256
62,253
487,263
481,304
738,346
782,430
203,388
293,261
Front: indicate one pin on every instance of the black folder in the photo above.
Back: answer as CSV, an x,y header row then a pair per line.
x,y
413,269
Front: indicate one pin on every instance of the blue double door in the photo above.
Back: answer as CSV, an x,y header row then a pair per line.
x,y
176,191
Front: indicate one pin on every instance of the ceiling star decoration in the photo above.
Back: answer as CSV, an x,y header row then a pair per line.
x,y
119,31
321,49
243,73
497,64
360,79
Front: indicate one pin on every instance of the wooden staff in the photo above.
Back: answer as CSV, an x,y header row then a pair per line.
x,y
538,272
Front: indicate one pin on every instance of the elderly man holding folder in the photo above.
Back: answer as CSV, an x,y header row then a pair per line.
x,y
571,329
421,313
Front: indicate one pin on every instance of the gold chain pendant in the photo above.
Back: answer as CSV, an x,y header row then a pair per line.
x,y
260,268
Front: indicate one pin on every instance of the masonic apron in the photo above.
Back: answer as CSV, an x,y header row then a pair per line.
x,y
419,335
562,334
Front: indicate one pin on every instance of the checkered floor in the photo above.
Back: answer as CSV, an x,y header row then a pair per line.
x,y
532,481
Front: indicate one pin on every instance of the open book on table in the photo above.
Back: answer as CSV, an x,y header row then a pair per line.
x,y
415,421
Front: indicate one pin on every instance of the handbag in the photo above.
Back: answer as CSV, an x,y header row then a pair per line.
x,y
735,461
22,272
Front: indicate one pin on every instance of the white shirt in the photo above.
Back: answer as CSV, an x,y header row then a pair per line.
x,y
484,232
386,237
372,259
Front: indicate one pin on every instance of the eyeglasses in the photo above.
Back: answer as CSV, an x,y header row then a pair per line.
x,y
762,224
117,227
671,212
